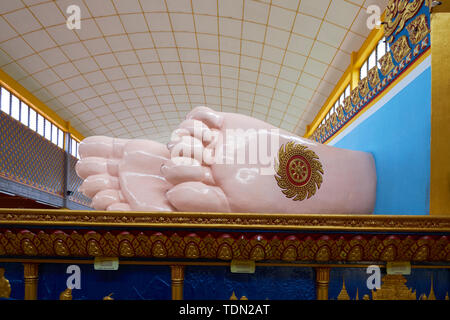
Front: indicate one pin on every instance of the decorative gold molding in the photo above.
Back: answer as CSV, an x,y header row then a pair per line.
x,y
373,76
204,220
400,48
363,87
398,12
386,63
418,29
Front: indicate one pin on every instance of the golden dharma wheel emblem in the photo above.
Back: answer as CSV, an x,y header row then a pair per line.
x,y
299,171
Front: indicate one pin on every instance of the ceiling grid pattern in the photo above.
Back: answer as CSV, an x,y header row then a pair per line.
x,y
136,67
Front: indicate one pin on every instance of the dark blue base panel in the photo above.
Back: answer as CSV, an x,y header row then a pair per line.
x,y
147,282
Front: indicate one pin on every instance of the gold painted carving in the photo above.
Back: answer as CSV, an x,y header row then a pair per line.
x,y
393,288
363,87
400,48
333,119
347,104
5,287
340,112
398,12
373,76
355,96
386,63
299,171
418,29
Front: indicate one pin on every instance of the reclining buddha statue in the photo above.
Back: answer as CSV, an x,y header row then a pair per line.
x,y
226,162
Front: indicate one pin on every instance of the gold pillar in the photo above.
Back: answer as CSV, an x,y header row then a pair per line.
x,y
177,273
30,276
322,281
354,73
440,113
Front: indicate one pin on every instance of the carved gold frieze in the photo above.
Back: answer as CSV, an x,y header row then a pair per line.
x,y
5,287
418,29
347,104
333,120
386,63
355,96
340,112
299,172
363,87
397,13
328,125
400,48
373,76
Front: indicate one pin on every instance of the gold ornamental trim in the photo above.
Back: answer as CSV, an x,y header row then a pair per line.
x,y
210,220
398,12
299,172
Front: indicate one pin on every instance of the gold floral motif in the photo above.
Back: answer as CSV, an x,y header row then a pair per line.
x,y
363,87
299,171
400,48
386,63
373,76
5,287
347,104
398,12
355,96
418,29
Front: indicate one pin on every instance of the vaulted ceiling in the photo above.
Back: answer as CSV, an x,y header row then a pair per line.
x,y
136,67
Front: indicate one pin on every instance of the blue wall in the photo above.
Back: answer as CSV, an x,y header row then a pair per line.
x,y
398,136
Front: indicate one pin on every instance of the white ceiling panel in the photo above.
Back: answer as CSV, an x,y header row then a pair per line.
x,y
136,67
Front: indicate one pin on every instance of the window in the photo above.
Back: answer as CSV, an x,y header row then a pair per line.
x,y
5,100
372,60
24,110
54,134
40,125
33,120
48,130
73,147
363,71
60,139
15,107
